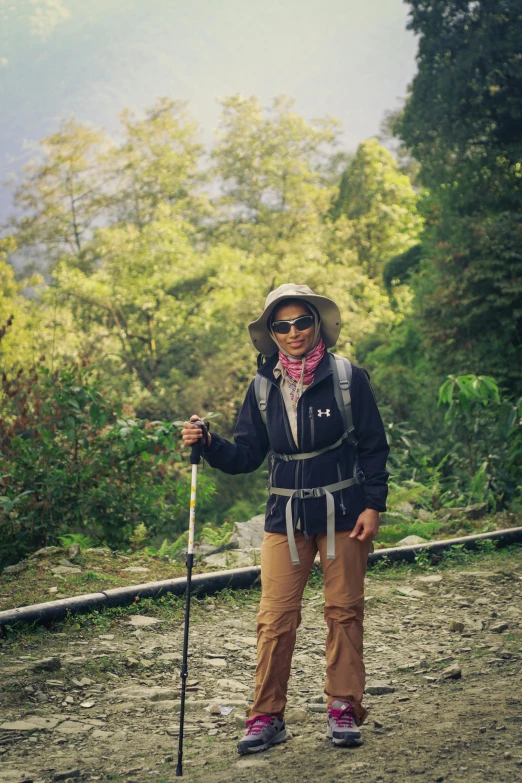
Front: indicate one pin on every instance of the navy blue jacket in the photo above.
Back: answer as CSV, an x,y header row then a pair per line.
x,y
252,442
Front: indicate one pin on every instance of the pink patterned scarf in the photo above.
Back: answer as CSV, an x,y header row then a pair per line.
x,y
294,367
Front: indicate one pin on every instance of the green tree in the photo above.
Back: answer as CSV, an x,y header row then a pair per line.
x,y
376,208
157,163
463,114
271,168
61,198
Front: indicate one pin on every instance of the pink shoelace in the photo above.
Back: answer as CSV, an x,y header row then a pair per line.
x,y
343,718
256,725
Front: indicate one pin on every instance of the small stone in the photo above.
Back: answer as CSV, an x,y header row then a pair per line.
x,y
100,734
248,640
410,592
74,550
296,715
169,657
70,773
136,569
318,699
73,727
81,683
377,725
53,589
142,621
455,625
66,570
317,707
213,709
47,551
499,627
239,624
17,568
87,704
240,721
379,688
213,732
30,724
47,665
220,662
231,686
430,579
452,673
411,541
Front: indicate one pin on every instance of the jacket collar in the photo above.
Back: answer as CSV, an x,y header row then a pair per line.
x,y
322,371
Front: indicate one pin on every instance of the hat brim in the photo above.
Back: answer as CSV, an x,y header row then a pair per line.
x,y
328,312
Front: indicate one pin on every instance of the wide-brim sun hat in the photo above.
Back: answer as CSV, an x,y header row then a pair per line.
x,y
327,309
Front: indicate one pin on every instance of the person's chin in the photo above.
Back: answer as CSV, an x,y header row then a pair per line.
x,y
298,352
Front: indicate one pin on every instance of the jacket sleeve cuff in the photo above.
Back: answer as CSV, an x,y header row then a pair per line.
x,y
375,504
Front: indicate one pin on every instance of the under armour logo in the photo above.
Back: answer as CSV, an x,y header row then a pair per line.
x,y
323,413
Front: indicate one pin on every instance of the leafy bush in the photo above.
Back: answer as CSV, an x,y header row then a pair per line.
x,y
73,462
485,433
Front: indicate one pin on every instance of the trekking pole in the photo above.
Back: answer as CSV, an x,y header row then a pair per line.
x,y
195,456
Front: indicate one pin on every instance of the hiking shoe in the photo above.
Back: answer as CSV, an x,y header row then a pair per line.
x,y
342,729
261,732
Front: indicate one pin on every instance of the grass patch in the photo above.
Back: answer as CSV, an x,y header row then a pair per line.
x,y
437,530
456,556
101,569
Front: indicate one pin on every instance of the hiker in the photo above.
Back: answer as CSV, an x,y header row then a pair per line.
x,y
299,410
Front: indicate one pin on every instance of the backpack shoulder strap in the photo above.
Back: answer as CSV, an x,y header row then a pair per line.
x,y
342,380
261,388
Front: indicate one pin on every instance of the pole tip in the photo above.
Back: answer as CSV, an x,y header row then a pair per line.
x,y
179,772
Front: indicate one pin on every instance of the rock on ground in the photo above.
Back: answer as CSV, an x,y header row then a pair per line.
x,y
411,541
249,535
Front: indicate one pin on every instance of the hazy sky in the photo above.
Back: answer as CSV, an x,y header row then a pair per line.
x,y
350,59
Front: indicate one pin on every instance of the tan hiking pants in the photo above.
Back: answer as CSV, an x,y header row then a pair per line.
x,y
280,615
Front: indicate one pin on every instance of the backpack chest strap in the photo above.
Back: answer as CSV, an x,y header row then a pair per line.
x,y
310,454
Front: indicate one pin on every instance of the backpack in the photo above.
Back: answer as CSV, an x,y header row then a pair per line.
x,y
342,379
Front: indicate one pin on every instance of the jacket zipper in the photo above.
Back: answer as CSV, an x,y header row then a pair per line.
x,y
301,446
288,429
273,474
312,425
339,475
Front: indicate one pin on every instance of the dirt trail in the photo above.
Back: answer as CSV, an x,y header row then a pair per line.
x,y
110,711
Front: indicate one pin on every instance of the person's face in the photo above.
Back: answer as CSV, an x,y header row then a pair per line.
x,y
295,343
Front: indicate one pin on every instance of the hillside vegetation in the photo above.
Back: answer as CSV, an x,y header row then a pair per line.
x,y
146,258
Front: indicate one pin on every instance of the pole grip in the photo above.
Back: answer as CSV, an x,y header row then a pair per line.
x,y
198,448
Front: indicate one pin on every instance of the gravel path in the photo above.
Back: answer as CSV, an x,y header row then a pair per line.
x,y
445,705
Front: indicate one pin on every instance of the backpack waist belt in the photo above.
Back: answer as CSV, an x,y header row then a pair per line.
x,y
316,492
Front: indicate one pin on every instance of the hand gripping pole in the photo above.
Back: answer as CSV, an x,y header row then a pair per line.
x,y
195,456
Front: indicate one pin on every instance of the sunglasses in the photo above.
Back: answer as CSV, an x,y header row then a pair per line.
x,y
301,323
